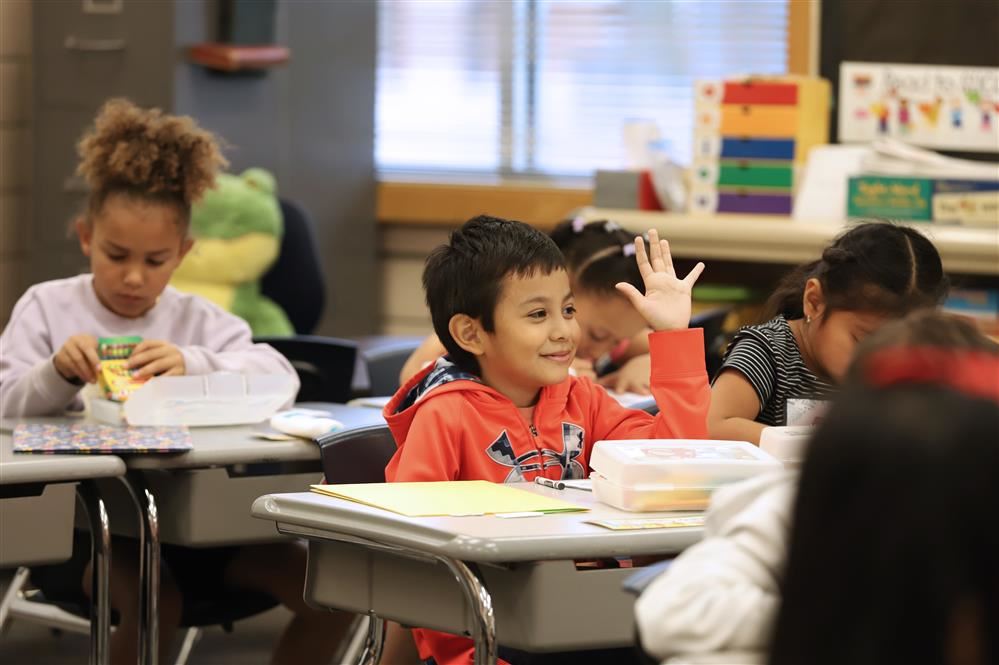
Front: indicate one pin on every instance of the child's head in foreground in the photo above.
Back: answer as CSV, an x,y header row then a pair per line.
x,y
144,170
894,549
501,304
873,273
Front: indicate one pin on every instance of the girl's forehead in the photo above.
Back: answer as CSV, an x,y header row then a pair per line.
x,y
124,217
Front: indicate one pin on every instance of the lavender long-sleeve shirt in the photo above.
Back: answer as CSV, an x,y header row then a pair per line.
x,y
49,313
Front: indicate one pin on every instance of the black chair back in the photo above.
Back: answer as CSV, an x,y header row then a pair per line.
x,y
384,363
296,281
713,322
325,365
356,455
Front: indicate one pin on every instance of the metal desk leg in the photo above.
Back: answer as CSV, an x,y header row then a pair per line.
x,y
149,567
375,641
482,610
100,538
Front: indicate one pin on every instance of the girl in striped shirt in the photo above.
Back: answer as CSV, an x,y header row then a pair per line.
x,y
870,274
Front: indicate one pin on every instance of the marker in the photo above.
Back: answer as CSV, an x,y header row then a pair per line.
x,y
554,484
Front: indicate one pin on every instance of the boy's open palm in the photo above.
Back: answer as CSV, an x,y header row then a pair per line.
x,y
666,303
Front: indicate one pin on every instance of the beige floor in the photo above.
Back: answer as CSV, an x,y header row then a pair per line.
x,y
250,642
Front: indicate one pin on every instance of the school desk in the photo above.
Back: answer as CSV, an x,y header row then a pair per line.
x,y
516,579
202,498
36,519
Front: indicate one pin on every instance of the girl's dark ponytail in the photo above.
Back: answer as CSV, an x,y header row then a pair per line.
x,y
875,266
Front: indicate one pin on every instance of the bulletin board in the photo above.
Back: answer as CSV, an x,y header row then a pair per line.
x,y
959,33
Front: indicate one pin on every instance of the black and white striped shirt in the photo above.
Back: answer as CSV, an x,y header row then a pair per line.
x,y
768,356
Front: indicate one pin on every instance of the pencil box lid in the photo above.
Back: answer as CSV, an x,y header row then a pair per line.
x,y
217,399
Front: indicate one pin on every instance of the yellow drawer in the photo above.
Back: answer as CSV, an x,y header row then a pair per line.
x,y
755,120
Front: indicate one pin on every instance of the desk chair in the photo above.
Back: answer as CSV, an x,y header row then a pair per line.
x,y
359,456
384,362
356,455
325,365
296,281
713,322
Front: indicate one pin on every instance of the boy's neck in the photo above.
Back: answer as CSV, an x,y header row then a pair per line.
x,y
520,396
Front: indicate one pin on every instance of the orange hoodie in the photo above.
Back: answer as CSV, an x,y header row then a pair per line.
x,y
449,426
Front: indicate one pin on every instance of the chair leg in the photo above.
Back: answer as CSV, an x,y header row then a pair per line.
x,y
13,592
191,638
350,647
374,642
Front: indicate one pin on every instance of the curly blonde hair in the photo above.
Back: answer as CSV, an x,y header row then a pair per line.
x,y
148,154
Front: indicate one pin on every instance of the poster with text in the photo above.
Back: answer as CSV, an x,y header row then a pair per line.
x,y
950,108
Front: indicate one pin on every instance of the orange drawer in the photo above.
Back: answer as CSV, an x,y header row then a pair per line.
x,y
750,120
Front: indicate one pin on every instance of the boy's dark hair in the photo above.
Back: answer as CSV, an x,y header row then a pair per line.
x,y
894,540
874,267
598,255
465,275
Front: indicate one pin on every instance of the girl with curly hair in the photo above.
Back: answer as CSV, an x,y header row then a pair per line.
x,y
145,169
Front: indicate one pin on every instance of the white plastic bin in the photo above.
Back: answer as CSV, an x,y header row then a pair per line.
x,y
653,475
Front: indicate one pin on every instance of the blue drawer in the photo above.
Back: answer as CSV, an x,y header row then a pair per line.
x,y
757,148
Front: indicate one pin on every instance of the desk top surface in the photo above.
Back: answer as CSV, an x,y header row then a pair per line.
x,y
218,446
213,446
18,468
482,538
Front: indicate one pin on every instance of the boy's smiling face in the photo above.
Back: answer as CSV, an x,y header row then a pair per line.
x,y
534,338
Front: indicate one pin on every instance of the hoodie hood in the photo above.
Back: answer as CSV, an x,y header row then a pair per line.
x,y
444,378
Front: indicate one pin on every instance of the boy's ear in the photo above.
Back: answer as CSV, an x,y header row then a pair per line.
x,y
813,301
468,333
84,232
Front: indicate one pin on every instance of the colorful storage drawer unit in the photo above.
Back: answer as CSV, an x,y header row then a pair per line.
x,y
751,137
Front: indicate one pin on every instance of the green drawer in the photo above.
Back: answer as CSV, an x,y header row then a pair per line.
x,y
755,174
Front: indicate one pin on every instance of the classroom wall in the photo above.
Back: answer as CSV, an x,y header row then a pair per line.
x,y
310,122
15,149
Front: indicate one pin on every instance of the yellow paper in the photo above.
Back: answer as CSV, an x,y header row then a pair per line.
x,y
447,498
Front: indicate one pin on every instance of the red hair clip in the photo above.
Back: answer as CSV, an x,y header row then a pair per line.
x,y
969,371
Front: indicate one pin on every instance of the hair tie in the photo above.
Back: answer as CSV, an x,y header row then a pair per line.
x,y
974,373
578,224
629,249
611,227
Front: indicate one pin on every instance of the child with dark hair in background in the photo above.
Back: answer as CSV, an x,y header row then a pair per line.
x,y
724,593
145,169
893,554
502,406
871,274
598,256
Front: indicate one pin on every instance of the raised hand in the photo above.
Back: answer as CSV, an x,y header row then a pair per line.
x,y
666,303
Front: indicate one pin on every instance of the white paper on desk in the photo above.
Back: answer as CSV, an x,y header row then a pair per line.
x,y
823,191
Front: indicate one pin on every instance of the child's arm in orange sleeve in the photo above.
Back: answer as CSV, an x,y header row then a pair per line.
x,y
679,384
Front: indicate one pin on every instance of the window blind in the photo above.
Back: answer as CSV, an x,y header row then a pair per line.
x,y
544,87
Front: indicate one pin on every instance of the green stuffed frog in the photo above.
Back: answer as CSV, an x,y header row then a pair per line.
x,y
237,228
